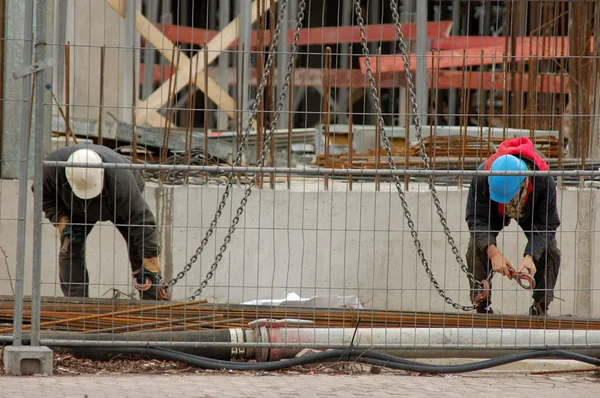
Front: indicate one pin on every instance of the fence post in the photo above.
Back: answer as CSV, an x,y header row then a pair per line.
x,y
23,174
40,134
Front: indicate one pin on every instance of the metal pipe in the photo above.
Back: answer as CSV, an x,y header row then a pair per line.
x,y
150,52
422,47
41,128
128,64
224,62
245,30
405,18
345,63
282,61
318,171
60,29
23,174
453,339
452,95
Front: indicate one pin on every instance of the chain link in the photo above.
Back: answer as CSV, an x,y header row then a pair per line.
x,y
272,127
388,149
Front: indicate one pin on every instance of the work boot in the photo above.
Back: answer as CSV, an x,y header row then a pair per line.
x,y
538,308
482,309
151,285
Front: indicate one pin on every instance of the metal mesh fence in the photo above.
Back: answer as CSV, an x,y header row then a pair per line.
x,y
298,174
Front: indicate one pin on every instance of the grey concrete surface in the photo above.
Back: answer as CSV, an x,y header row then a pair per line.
x,y
490,385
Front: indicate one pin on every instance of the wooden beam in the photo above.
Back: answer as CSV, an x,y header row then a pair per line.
x,y
340,78
451,58
215,47
315,36
165,47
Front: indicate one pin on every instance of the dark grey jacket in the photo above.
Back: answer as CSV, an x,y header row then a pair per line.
x,y
121,202
539,223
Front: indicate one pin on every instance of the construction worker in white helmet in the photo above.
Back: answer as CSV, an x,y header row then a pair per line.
x,y
75,198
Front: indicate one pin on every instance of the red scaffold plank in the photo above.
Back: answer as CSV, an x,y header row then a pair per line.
x,y
442,79
315,36
541,49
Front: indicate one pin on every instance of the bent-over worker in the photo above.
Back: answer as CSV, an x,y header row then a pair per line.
x,y
75,198
493,202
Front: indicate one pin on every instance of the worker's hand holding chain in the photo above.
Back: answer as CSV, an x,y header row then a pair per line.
x,y
527,264
500,264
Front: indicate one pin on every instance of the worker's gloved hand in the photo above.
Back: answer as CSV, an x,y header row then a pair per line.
x,y
150,282
72,234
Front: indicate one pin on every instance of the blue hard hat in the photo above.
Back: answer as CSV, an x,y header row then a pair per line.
x,y
504,188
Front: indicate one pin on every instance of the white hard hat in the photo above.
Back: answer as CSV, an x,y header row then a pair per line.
x,y
85,182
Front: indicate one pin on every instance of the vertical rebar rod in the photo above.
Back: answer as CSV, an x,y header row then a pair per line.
x,y
67,88
272,99
40,133
101,100
206,114
290,121
350,124
165,146
421,84
23,173
326,107
260,62
134,84
377,127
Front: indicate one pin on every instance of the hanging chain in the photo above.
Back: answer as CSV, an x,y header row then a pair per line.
x,y
388,149
238,157
272,127
419,131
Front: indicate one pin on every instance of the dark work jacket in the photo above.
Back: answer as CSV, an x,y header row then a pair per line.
x,y
121,202
539,224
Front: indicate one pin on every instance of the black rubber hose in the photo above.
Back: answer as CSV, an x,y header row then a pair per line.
x,y
367,357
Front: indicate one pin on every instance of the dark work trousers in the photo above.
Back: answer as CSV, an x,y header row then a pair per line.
x,y
547,267
73,273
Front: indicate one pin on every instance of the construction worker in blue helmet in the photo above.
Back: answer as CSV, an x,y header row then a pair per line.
x,y
494,201
76,197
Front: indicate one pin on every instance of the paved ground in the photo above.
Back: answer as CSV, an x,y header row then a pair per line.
x,y
490,385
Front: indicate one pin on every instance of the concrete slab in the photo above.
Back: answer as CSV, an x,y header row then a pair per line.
x,y
27,360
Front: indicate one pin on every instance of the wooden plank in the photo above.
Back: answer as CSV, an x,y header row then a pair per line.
x,y
464,42
221,41
453,58
315,36
148,31
340,78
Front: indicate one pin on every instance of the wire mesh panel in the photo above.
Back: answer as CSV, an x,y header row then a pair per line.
x,y
274,175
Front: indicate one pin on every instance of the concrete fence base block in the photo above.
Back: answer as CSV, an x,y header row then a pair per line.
x,y
26,360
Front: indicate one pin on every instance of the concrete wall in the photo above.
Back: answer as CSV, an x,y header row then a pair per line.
x,y
322,242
